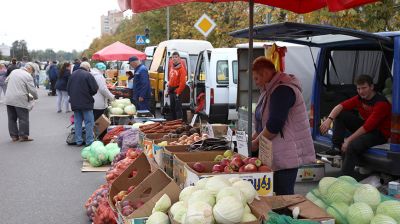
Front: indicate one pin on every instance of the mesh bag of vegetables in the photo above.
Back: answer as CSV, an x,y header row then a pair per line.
x,y
350,202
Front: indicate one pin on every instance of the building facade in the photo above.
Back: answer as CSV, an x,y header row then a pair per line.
x,y
111,21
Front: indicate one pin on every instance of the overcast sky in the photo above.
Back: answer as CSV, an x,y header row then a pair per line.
x,y
60,25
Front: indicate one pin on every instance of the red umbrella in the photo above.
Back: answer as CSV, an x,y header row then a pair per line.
x,y
297,6
118,51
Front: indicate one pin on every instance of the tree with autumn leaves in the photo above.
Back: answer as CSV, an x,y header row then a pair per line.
x,y
381,16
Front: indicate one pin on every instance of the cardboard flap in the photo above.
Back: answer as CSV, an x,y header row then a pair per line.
x,y
279,202
309,210
124,180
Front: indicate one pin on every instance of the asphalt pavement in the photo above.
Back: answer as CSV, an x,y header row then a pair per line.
x,y
41,181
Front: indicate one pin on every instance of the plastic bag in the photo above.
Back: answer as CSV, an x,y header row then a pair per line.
x,y
112,134
128,139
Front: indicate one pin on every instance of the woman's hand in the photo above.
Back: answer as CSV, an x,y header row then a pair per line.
x,y
254,145
325,126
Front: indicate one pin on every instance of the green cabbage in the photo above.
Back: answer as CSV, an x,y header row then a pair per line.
x,y
94,161
163,204
325,183
202,195
130,109
186,193
158,218
85,152
112,151
383,219
390,208
339,211
349,179
228,210
340,191
101,154
117,110
368,194
360,213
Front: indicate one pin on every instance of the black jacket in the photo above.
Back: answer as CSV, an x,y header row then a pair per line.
x,y
81,88
62,81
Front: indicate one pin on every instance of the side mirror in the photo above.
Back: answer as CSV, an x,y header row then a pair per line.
x,y
160,69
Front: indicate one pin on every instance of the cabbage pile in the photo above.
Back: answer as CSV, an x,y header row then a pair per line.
x,y
122,106
352,203
215,200
97,154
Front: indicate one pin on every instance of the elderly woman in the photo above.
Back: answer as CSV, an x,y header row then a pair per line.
x,y
20,95
103,94
281,117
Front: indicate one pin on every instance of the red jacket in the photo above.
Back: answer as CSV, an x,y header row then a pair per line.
x,y
177,78
376,112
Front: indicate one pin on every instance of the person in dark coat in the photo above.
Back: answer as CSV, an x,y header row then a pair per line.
x,y
141,85
53,74
81,88
77,63
12,66
61,87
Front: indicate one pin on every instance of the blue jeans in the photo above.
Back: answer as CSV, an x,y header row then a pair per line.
x,y
87,116
144,105
284,181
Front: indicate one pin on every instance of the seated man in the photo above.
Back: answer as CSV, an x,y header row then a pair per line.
x,y
370,128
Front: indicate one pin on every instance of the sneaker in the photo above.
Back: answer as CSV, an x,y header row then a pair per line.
x,y
331,152
59,111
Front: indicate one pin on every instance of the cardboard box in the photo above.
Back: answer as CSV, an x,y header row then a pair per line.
x,y
123,181
101,124
262,181
157,150
220,130
165,157
285,204
150,191
146,142
311,172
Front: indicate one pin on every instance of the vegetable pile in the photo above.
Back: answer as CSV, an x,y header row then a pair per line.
x,y
122,106
119,167
97,154
352,203
212,200
99,197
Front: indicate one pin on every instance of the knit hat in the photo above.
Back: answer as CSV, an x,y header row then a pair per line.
x,y
133,58
101,66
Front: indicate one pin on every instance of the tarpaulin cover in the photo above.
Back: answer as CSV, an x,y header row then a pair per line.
x,y
118,51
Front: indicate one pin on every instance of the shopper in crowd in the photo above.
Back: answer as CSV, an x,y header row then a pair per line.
x,y
141,91
369,127
53,74
282,122
3,76
20,95
103,94
36,78
61,87
81,88
12,66
176,85
130,79
77,63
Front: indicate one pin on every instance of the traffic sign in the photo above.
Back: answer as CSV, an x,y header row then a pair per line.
x,y
205,25
140,40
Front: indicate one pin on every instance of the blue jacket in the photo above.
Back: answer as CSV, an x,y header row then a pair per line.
x,y
62,82
81,88
53,72
141,83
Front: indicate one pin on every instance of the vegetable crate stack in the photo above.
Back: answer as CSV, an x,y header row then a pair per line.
x,y
350,202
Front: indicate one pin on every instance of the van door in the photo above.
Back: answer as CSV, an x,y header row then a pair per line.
x,y
233,80
198,86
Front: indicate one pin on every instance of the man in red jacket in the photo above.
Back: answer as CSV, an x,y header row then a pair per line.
x,y
370,128
176,85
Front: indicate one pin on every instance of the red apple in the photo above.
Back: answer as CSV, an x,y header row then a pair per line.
x,y
217,168
250,168
127,210
228,169
255,161
246,160
224,162
241,169
236,163
199,167
264,168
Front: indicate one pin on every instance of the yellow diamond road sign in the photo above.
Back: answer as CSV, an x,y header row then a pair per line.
x,y
205,25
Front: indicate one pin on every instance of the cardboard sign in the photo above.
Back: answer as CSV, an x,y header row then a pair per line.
x,y
265,151
229,134
242,143
193,120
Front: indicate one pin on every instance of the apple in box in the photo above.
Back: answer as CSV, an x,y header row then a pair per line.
x,y
250,168
225,162
236,163
199,167
217,168
255,161
228,169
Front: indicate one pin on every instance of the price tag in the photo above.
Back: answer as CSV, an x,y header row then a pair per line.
x,y
265,151
193,120
242,143
210,131
229,134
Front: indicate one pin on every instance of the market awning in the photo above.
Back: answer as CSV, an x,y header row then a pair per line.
x,y
118,51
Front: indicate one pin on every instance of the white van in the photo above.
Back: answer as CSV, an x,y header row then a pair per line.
x,y
216,78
